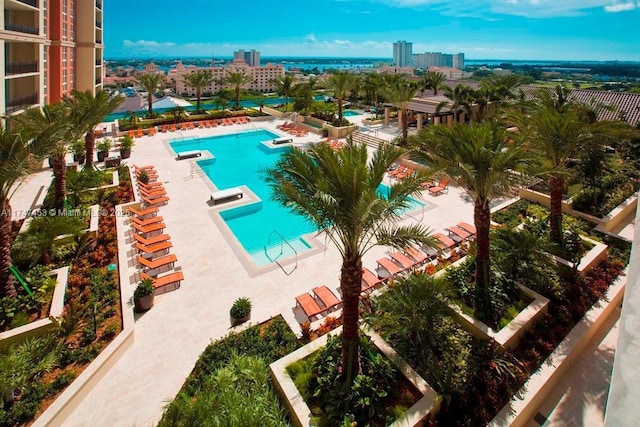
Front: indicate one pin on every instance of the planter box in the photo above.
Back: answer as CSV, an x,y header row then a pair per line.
x,y
591,259
42,326
300,412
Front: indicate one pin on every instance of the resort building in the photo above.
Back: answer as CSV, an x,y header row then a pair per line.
x,y
438,59
450,72
395,70
402,54
49,48
251,58
262,77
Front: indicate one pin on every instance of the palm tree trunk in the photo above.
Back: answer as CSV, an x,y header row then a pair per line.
x,y
556,189
59,173
405,125
198,100
237,96
340,110
150,101
482,222
350,285
89,142
7,288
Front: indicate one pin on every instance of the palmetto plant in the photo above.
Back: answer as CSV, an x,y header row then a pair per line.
x,y
198,80
338,192
150,82
236,81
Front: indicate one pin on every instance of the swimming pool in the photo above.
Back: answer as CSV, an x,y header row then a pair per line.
x,y
240,160
349,113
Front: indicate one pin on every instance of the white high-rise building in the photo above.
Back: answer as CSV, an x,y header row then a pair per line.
x,y
403,54
251,58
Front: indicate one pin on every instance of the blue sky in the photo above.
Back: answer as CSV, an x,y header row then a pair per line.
x,y
482,29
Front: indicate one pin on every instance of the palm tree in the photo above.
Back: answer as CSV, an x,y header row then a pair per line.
x,y
197,80
479,158
461,96
284,86
340,84
87,111
19,156
356,86
433,80
400,92
337,191
237,80
372,85
558,130
52,122
150,83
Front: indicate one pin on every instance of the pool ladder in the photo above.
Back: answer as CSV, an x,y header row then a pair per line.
x,y
283,241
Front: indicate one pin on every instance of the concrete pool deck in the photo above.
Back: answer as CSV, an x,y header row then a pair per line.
x,y
170,337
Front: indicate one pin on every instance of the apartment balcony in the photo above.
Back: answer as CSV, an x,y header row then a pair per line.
x,y
99,41
98,62
99,4
99,24
32,3
98,81
22,67
20,28
15,104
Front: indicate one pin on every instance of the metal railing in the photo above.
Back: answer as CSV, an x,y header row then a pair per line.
x,y
21,28
18,103
21,67
283,242
33,3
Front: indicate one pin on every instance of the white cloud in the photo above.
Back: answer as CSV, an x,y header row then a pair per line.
x,y
146,44
621,7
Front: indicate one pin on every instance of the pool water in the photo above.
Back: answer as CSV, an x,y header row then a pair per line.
x,y
349,113
240,159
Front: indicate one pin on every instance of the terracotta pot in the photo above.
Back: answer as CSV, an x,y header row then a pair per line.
x,y
143,303
125,153
101,156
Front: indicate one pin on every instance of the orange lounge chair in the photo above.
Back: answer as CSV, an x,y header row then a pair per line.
x,y
169,282
158,249
146,229
308,305
370,280
148,221
144,212
183,126
458,234
152,194
151,174
398,170
389,266
158,201
173,128
150,185
467,227
132,133
154,264
139,133
327,297
152,131
141,168
165,128
406,262
402,175
206,123
190,125
419,256
149,241
446,243
441,188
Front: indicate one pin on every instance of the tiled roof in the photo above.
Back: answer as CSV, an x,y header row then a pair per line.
x,y
624,105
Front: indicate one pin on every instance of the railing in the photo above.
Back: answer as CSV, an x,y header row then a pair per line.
x,y
371,141
33,3
21,67
283,241
18,103
21,28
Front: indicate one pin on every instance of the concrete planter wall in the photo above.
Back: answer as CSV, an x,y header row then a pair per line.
x,y
370,122
591,259
274,112
40,327
300,412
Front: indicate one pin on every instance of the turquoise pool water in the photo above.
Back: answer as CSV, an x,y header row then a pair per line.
x,y
240,160
349,113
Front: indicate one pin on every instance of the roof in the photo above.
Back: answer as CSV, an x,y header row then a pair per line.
x,y
423,107
171,102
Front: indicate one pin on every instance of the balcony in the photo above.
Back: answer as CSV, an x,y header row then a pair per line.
x,y
98,81
99,4
16,104
32,3
21,28
99,24
24,67
98,62
98,41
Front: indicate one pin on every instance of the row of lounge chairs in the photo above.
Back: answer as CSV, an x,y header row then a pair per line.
x,y
321,302
138,133
151,243
399,171
334,143
293,129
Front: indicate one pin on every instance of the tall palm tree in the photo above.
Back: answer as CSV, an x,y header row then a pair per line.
x,y
150,82
19,156
338,192
284,87
400,92
558,130
237,80
372,85
433,80
479,158
87,111
356,86
52,122
340,84
462,98
198,80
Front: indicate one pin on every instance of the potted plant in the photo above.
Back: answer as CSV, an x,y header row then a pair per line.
x,y
240,311
103,148
143,177
143,295
126,142
78,151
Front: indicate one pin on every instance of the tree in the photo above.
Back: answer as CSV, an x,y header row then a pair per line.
x,y
338,192
357,84
372,85
150,83
284,86
433,80
400,92
19,156
236,80
558,130
52,122
479,158
197,80
462,98
87,111
340,84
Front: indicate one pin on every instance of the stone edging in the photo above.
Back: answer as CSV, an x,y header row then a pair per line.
x,y
300,412
520,410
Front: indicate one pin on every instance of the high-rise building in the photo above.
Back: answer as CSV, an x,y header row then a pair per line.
x,y
251,58
458,60
438,59
402,54
50,47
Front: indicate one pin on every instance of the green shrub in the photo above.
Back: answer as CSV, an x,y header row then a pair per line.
x,y
241,308
144,288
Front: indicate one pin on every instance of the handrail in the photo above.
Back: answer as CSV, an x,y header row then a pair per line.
x,y
282,242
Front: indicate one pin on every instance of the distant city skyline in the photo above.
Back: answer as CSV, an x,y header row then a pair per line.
x,y
572,30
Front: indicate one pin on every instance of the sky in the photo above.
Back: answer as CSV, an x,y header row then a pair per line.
x,y
482,29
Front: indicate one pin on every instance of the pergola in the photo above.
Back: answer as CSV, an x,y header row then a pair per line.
x,y
425,108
